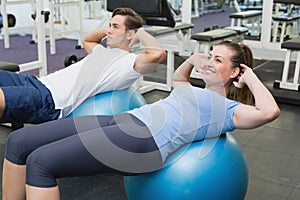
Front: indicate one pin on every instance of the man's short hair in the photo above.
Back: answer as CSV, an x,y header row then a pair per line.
x,y
133,19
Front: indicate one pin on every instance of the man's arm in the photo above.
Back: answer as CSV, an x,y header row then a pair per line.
x,y
93,38
154,52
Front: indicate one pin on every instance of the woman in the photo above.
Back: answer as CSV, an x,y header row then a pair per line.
x,y
140,140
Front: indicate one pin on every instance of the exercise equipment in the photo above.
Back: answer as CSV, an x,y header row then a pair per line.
x,y
241,19
11,20
212,37
292,45
46,13
41,62
13,67
154,12
202,7
70,59
108,103
94,9
7,4
210,169
286,22
63,14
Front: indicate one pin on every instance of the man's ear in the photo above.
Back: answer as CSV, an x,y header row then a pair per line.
x,y
130,34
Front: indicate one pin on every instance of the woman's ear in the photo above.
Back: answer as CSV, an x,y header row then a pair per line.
x,y
235,72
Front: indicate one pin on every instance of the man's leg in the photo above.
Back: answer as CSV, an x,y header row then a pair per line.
x,y
2,102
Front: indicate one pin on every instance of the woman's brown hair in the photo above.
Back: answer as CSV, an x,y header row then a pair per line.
x,y
243,55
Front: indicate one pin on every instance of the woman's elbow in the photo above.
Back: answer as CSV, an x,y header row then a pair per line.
x,y
276,112
273,114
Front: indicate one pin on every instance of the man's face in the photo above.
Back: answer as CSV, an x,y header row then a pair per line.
x,y
116,32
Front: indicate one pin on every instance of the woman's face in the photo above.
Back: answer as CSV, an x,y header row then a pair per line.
x,y
218,70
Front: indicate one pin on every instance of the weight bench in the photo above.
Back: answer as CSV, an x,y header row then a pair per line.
x,y
287,22
287,19
292,45
240,30
239,18
8,66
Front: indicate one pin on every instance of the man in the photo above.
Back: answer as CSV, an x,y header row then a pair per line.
x,y
28,99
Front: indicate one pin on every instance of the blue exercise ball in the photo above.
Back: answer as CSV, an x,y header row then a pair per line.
x,y
212,169
108,103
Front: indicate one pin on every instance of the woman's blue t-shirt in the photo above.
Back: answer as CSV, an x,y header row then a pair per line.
x,y
188,114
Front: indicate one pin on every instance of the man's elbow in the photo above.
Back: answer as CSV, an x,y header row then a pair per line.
x,y
160,56
84,44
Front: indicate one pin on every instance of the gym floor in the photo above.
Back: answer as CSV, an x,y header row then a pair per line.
x,y
272,151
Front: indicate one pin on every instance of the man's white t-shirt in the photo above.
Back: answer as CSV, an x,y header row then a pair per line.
x,y
101,71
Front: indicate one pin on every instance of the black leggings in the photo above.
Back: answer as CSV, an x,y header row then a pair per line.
x,y
83,146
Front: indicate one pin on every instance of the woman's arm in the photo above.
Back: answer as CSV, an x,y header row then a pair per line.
x,y
93,38
183,72
153,55
265,109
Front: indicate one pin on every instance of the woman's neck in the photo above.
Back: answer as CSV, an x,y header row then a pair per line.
x,y
220,89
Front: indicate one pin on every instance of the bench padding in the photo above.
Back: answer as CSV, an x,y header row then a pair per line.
x,y
159,30
296,2
287,17
183,26
293,44
9,66
212,35
239,29
163,30
246,14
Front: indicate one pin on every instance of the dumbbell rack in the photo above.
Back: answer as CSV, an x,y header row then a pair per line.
x,y
6,28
